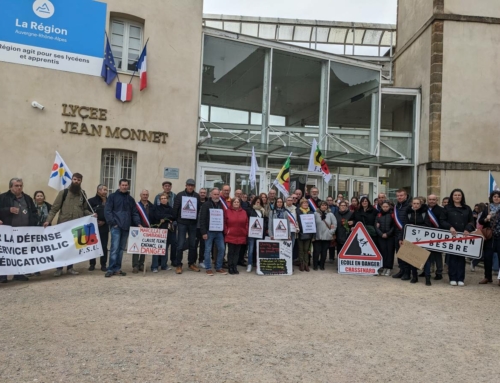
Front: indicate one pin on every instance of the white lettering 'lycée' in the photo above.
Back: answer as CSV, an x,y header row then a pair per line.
x,y
41,27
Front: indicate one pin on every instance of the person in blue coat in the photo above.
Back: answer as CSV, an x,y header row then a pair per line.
x,y
121,213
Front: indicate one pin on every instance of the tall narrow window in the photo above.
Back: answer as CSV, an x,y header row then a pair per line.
x,y
118,164
126,43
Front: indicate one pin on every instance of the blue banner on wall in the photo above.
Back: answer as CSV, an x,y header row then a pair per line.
x,y
58,34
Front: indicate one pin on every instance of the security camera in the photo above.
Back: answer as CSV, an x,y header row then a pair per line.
x,y
35,104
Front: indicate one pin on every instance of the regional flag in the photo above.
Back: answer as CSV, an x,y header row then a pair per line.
x,y
493,184
60,175
142,68
317,163
123,91
282,181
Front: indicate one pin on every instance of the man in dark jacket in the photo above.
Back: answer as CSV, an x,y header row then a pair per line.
x,y
435,212
212,237
17,209
120,213
400,218
186,207
146,213
97,204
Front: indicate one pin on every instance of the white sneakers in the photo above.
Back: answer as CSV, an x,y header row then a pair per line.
x,y
461,284
155,270
387,273
249,268
454,283
202,265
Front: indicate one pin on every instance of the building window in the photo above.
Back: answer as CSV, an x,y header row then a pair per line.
x,y
118,164
126,43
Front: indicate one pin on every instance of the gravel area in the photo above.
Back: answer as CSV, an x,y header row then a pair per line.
x,y
309,327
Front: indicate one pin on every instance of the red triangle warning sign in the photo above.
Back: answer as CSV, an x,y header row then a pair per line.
x,y
280,226
360,246
189,206
134,248
256,225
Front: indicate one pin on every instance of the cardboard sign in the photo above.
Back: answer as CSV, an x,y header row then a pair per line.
x,y
256,227
189,208
274,258
280,228
359,255
413,254
308,223
144,240
216,222
442,241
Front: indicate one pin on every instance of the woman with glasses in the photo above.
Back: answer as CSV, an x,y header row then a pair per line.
x,y
163,216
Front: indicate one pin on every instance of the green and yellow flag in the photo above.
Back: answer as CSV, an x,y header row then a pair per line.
x,y
282,182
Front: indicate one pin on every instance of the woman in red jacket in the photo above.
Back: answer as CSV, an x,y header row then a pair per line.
x,y
235,233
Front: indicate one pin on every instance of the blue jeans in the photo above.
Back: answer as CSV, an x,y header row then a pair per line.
x,y
218,238
118,245
171,242
182,231
251,248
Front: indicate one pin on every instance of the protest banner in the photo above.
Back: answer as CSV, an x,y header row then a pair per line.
x,y
274,257
359,255
439,240
25,250
256,227
413,254
280,228
216,222
145,240
308,223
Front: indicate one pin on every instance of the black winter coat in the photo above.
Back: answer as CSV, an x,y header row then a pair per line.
x,y
120,210
419,217
341,232
205,214
162,212
385,224
7,200
97,205
367,217
401,211
460,218
178,207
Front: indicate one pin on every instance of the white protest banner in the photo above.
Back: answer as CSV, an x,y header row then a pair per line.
x,y
189,208
145,240
308,223
280,228
256,227
442,241
274,257
216,222
25,250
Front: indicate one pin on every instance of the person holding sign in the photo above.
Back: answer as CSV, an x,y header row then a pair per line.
x,y
326,223
367,215
344,224
210,235
307,229
257,226
279,225
385,231
457,217
235,233
490,219
163,216
186,207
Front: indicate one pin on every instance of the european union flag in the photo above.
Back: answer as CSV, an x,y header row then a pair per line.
x,y
108,71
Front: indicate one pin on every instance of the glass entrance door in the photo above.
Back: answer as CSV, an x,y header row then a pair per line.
x,y
210,176
355,186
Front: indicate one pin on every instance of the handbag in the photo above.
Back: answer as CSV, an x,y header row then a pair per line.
x,y
487,232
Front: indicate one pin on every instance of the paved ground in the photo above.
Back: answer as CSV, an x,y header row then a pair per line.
x,y
310,327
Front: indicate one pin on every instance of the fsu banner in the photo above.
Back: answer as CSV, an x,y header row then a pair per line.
x,y
25,250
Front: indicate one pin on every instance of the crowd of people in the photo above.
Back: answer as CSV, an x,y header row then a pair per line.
x,y
228,245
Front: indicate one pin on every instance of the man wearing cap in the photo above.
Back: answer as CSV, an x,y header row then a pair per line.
x,y
167,188
186,206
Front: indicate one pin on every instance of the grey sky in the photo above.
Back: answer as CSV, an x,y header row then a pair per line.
x,y
372,11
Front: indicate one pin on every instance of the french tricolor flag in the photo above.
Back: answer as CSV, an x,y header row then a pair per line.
x,y
142,68
123,91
